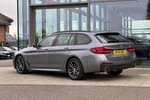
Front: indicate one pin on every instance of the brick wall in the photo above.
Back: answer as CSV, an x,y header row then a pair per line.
x,y
3,30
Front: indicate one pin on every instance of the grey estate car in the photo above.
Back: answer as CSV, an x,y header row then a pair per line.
x,y
77,53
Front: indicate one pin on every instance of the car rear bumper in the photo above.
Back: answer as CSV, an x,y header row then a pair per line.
x,y
115,66
104,62
103,66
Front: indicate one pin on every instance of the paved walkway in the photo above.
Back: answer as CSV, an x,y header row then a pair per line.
x,y
6,63
133,77
136,77
133,84
143,64
37,92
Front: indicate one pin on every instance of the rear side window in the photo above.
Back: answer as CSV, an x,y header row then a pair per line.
x,y
72,40
111,38
48,41
82,39
62,40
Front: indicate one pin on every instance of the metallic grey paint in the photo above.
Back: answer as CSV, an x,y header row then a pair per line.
x,y
55,58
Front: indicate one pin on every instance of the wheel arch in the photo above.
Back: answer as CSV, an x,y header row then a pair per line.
x,y
17,57
69,59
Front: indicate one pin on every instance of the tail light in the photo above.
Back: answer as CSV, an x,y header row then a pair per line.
x,y
100,50
131,49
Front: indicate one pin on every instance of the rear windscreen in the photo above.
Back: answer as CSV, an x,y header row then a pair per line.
x,y
111,38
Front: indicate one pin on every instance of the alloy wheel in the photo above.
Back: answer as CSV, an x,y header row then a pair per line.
x,y
75,70
20,65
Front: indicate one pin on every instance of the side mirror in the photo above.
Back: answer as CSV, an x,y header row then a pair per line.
x,y
36,45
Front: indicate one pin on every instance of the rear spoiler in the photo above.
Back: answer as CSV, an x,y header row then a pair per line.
x,y
108,33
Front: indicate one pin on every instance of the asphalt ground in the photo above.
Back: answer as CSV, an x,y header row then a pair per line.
x,y
143,63
53,92
6,63
133,84
8,76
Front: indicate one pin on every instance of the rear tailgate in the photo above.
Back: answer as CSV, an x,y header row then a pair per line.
x,y
120,52
120,46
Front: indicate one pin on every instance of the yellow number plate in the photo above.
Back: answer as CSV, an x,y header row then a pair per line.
x,y
120,52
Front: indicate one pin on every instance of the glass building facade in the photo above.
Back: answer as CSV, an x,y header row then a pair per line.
x,y
39,18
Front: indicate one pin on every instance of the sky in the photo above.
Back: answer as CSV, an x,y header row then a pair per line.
x,y
9,8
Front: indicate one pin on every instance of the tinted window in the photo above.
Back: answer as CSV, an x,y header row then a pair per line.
x,y
62,39
82,39
72,40
110,38
48,41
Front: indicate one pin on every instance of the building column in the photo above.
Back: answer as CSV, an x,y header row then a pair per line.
x,y
32,24
89,16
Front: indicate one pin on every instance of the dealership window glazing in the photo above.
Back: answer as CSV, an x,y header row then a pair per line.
x,y
23,23
125,16
34,2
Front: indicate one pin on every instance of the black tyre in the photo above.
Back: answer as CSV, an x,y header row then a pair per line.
x,y
75,69
20,65
115,73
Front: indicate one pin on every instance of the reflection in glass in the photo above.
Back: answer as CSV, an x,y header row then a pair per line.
x,y
126,17
51,20
60,19
33,2
38,25
75,21
23,23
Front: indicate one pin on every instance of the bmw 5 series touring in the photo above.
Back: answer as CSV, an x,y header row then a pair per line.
x,y
78,53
